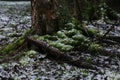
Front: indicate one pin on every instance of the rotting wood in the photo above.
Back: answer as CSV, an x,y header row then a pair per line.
x,y
55,54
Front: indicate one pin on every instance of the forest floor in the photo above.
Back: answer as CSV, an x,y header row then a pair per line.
x,y
15,19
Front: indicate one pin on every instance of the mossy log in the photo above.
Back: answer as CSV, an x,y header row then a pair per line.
x,y
55,54
13,50
10,48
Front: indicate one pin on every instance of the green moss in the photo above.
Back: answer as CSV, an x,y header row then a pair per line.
x,y
95,47
26,32
8,48
12,47
70,26
31,53
49,37
89,59
68,41
21,41
66,48
41,38
92,32
24,60
72,35
61,46
65,40
71,32
79,37
60,34
84,73
58,45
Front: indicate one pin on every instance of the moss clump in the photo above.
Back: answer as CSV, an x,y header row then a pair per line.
x,y
68,41
60,34
53,38
72,35
13,46
79,37
92,31
56,44
66,48
20,42
8,49
24,60
95,47
71,32
70,26
65,40
31,53
61,46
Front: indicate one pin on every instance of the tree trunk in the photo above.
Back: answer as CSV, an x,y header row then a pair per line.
x,y
37,17
43,16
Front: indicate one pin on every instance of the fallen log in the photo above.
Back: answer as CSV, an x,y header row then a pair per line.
x,y
57,55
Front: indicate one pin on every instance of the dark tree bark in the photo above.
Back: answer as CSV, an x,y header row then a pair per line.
x,y
37,17
43,16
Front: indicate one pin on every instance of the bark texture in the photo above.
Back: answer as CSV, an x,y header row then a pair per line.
x,y
43,16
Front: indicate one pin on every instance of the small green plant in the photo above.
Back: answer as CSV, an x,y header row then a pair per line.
x,y
95,47
31,53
